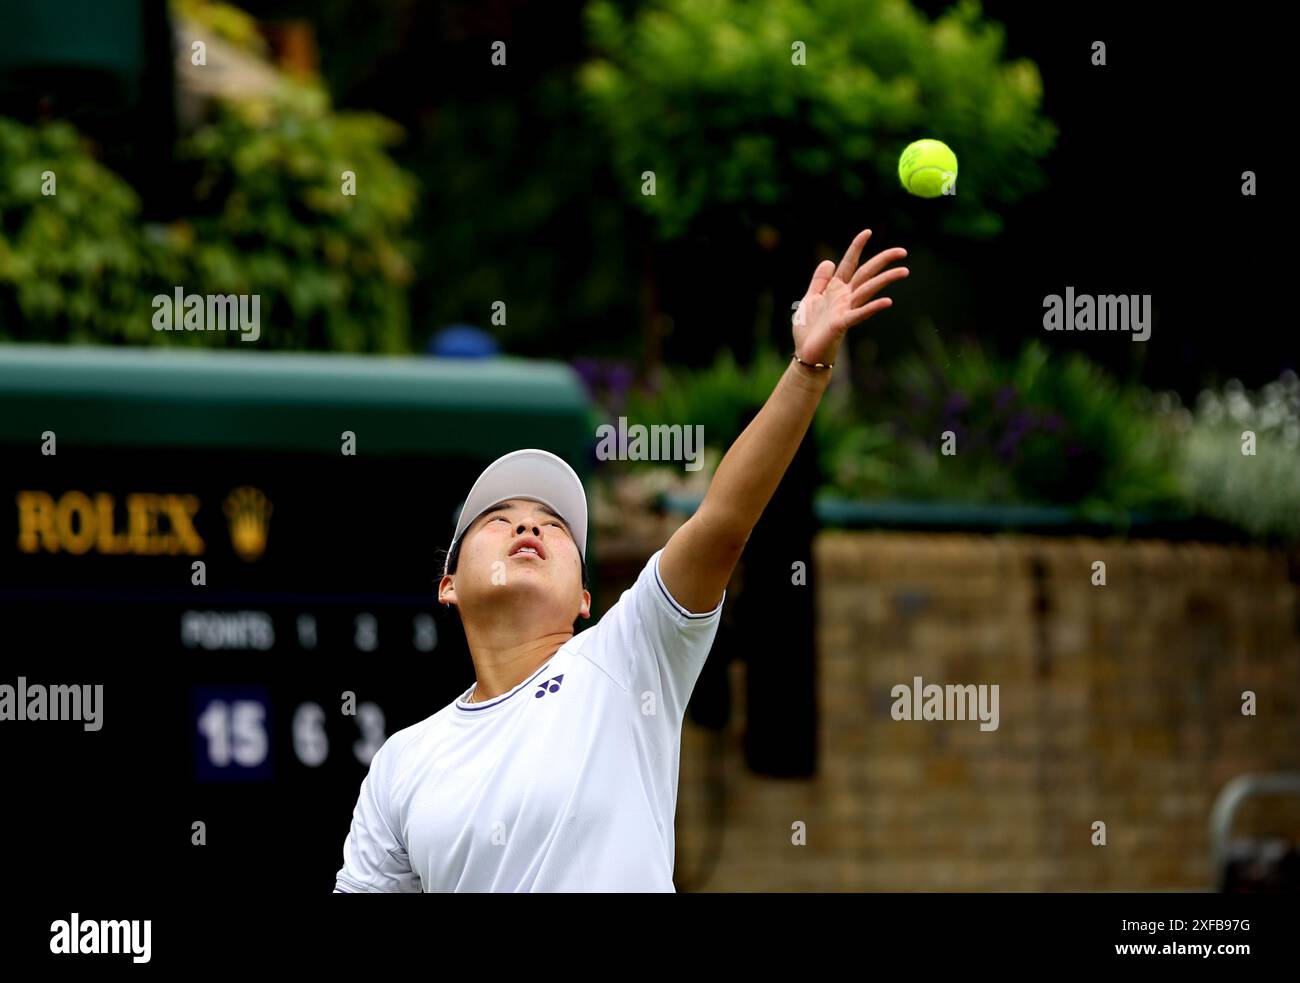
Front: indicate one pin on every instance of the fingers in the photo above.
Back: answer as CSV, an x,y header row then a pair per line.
x,y
862,313
873,286
821,277
850,261
877,263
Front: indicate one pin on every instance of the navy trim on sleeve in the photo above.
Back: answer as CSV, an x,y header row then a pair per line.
x,y
697,616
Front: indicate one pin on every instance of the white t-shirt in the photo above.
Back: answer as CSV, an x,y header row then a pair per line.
x,y
566,783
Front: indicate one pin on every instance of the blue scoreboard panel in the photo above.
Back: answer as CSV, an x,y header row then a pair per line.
x,y
255,625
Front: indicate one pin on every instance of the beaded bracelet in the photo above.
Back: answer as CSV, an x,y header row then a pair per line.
x,y
812,365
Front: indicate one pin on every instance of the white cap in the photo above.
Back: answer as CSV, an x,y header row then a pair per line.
x,y
534,474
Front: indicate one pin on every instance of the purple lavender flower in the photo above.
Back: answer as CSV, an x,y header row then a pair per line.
x,y
619,377
588,370
618,380
955,403
1021,424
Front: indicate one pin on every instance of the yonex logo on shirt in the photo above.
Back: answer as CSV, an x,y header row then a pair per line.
x,y
582,801
554,686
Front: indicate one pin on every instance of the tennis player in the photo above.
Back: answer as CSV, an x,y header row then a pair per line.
x,y
557,770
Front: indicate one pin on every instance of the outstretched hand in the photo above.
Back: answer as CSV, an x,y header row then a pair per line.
x,y
840,297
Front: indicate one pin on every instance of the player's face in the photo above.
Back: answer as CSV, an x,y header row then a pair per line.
x,y
520,545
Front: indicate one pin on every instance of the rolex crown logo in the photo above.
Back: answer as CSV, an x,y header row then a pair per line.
x,y
249,512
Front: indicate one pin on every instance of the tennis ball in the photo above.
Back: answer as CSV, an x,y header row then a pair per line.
x,y
927,167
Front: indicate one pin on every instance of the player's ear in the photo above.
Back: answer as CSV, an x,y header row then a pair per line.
x,y
586,604
447,590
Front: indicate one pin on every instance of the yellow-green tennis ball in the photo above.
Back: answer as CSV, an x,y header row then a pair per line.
x,y
927,168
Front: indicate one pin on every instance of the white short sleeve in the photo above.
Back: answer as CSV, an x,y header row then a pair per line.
x,y
375,860
653,644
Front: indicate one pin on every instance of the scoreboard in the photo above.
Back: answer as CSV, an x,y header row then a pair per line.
x,y
243,551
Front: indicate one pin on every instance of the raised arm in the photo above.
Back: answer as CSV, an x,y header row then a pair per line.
x,y
701,555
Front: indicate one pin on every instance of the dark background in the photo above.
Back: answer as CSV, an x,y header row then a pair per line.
x,y
1142,196
1142,192
344,542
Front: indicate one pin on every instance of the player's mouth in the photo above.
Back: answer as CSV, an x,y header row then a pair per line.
x,y
528,546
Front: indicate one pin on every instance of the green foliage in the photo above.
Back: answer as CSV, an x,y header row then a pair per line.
x,y
719,397
1041,429
268,218
73,264
331,268
1261,492
1037,430
224,21
508,176
715,398
704,93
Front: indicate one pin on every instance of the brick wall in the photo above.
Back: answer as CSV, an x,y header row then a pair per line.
x,y
1119,703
